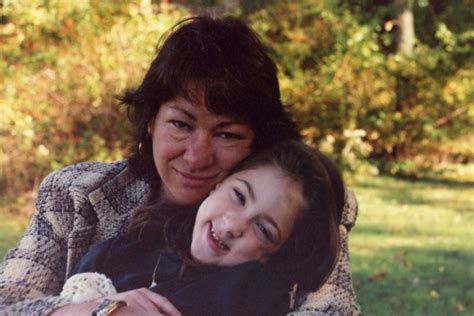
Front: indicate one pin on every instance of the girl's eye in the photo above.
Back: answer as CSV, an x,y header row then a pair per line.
x,y
180,124
266,233
239,196
228,135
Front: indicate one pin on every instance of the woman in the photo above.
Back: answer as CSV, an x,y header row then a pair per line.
x,y
209,99
240,252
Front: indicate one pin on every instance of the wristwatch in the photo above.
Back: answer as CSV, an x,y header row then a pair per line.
x,y
107,307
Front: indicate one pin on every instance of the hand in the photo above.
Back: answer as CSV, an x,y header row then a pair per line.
x,y
139,302
144,302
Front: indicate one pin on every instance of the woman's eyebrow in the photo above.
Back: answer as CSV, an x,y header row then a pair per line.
x,y
249,188
185,112
191,116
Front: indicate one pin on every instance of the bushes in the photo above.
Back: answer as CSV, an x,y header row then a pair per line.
x,y
63,64
355,96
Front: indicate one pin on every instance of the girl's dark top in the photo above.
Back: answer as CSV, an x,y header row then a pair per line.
x,y
246,289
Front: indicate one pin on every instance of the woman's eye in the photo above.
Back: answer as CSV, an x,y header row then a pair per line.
x,y
228,135
180,124
239,196
266,233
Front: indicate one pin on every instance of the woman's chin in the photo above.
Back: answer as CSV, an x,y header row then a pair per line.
x,y
189,196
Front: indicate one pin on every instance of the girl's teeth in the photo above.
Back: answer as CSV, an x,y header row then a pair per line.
x,y
220,243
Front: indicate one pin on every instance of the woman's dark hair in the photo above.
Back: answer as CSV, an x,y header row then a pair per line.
x,y
225,59
310,253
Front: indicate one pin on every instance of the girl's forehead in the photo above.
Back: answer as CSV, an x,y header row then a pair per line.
x,y
261,173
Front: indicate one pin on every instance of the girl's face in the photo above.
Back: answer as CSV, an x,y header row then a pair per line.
x,y
193,149
247,217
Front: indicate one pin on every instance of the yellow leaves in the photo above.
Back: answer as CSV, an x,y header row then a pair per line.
x,y
57,90
374,135
445,35
378,276
297,35
327,144
354,133
310,133
42,150
384,98
434,294
28,133
460,88
459,308
7,29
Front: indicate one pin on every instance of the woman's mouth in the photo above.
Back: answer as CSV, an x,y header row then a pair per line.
x,y
195,181
216,240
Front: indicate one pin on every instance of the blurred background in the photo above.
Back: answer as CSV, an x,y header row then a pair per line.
x,y
386,87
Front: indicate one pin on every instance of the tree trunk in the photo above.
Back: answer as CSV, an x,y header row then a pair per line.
x,y
406,24
406,42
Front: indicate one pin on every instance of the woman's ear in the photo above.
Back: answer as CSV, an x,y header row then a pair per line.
x,y
151,126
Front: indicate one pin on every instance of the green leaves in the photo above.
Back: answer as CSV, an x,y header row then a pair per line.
x,y
62,64
340,73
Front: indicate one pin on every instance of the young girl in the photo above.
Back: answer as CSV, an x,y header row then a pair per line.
x,y
266,233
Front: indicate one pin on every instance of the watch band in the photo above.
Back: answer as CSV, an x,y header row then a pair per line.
x,y
107,307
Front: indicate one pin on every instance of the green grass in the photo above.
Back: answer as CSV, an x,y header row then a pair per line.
x,y
11,229
412,249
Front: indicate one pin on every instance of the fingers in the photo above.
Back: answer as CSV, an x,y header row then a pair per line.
x,y
163,303
145,300
141,300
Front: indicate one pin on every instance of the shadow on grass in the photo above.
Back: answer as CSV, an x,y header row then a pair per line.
x,y
422,193
413,281
430,181
436,181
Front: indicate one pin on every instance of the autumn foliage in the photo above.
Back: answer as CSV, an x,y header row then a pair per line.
x,y
63,63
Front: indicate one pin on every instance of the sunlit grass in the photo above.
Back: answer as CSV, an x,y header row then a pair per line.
x,y
412,249
11,229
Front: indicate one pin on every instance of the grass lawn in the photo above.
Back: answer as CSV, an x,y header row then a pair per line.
x,y
11,229
412,249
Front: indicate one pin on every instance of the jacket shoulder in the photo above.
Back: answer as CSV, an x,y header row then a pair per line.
x,y
85,176
350,211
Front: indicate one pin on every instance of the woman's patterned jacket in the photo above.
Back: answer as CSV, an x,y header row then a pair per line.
x,y
89,202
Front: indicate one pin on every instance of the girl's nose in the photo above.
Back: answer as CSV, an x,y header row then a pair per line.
x,y
200,151
234,225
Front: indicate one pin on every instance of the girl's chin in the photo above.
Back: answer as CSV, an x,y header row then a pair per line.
x,y
199,256
201,260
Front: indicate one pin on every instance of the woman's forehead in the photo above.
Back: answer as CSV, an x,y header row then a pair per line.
x,y
218,98
198,111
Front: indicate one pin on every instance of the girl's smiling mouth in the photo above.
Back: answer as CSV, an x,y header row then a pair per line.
x,y
215,242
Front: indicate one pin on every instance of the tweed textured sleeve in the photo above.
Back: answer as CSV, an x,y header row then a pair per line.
x,y
33,272
336,296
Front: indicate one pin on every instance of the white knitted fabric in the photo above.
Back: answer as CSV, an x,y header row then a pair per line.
x,y
87,286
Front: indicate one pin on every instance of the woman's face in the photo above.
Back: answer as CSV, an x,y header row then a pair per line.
x,y
247,217
193,149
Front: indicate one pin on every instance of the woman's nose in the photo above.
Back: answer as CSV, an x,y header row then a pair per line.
x,y
199,151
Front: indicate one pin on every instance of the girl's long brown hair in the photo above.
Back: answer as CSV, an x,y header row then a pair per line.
x,y
170,224
310,253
